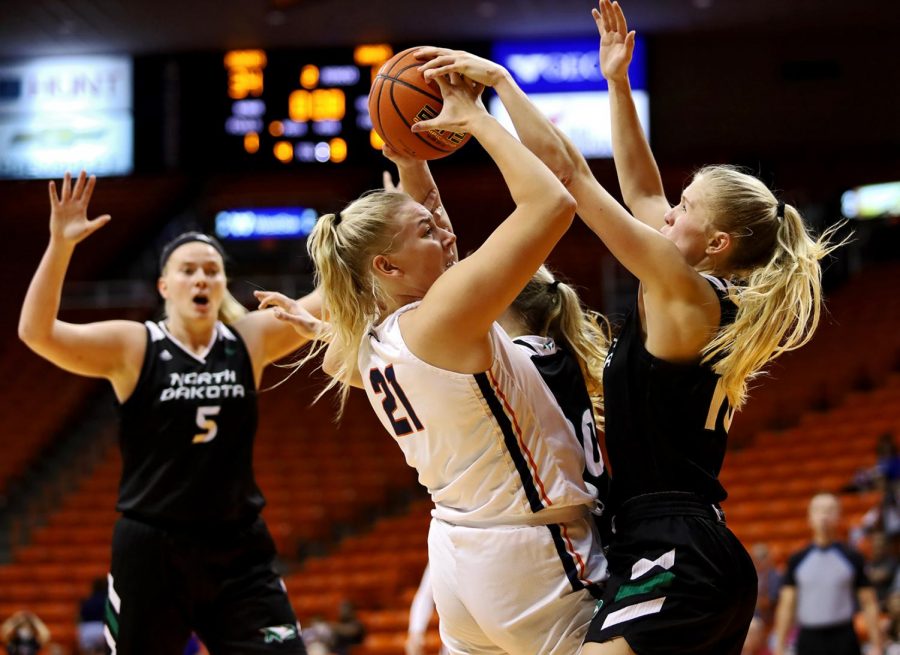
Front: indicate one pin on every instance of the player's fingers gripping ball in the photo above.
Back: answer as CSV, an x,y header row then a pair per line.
x,y
400,97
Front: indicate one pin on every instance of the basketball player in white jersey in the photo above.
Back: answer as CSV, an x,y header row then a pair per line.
x,y
512,548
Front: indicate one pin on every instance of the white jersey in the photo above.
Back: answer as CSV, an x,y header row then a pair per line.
x,y
492,448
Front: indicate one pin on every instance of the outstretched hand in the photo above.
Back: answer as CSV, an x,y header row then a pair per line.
x,y
68,210
292,312
616,42
462,104
442,61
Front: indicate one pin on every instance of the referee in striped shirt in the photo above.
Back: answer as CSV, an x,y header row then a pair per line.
x,y
822,585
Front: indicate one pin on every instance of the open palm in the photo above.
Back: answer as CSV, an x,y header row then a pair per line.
x,y
68,209
616,42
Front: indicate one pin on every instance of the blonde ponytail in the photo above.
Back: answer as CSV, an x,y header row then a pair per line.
x,y
776,265
552,308
342,247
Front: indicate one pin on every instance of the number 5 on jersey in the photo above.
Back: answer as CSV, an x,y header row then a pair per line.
x,y
209,427
383,382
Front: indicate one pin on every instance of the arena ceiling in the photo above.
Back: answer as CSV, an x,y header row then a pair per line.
x,y
44,27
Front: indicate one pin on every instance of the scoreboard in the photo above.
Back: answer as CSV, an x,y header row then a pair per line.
x,y
300,106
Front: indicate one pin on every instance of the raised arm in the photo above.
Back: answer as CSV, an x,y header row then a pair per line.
x,y
644,251
639,178
445,325
672,286
538,134
110,349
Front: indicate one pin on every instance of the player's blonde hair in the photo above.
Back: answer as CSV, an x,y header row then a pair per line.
x,y
342,246
776,262
231,310
551,308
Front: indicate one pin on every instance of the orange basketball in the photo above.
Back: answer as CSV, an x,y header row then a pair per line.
x,y
401,96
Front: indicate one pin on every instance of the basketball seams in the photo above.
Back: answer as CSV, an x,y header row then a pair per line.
x,y
397,80
406,53
396,120
418,136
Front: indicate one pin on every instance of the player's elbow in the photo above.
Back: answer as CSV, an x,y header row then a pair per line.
x,y
29,334
563,207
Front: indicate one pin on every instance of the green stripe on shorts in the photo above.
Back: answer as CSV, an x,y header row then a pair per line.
x,y
112,620
633,589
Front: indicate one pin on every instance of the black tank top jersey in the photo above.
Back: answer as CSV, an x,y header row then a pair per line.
x,y
187,434
666,425
563,377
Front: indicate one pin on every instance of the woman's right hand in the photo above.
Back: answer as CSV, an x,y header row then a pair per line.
x,y
462,105
616,42
68,210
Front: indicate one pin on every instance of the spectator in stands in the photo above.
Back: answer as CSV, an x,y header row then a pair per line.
x,y
888,463
892,624
90,620
883,517
318,637
190,551
882,565
822,585
24,634
769,582
887,466
348,630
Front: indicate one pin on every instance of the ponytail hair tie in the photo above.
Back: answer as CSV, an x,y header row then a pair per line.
x,y
553,286
336,220
779,210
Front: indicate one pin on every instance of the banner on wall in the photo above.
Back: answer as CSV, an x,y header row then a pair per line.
x,y
66,113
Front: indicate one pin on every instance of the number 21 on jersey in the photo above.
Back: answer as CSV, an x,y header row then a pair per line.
x,y
385,382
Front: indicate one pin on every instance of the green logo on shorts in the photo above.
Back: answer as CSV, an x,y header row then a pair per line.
x,y
280,633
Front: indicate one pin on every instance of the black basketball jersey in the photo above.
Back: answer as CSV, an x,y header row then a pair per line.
x,y
666,424
187,433
563,377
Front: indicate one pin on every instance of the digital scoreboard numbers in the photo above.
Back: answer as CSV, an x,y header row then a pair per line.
x,y
292,107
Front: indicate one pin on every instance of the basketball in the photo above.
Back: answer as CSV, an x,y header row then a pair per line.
x,y
401,96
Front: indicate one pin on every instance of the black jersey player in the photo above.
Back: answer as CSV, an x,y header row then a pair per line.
x,y
190,552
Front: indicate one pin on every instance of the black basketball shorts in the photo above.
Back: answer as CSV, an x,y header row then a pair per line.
x,y
680,581
219,583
